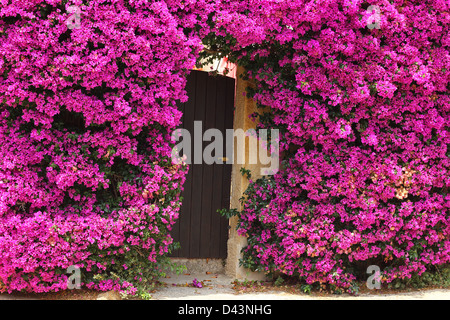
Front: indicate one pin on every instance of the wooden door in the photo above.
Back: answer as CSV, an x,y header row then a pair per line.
x,y
201,231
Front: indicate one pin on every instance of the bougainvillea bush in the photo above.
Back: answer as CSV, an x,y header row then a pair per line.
x,y
86,178
86,115
365,116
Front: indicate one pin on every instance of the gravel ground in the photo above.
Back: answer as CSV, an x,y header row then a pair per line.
x,y
220,287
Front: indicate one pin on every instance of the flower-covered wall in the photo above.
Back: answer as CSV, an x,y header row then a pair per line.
x,y
86,177
360,92
88,103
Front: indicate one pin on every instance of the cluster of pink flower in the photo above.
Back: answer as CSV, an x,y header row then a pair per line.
x,y
365,115
86,114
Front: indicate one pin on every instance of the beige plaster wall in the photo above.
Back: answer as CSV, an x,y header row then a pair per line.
x,y
244,107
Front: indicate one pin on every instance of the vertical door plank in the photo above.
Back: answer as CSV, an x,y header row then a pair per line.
x,y
218,173
208,182
197,170
229,83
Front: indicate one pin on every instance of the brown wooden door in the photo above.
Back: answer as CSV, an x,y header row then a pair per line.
x,y
201,231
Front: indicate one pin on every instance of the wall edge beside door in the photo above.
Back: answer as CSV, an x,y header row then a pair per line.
x,y
243,108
